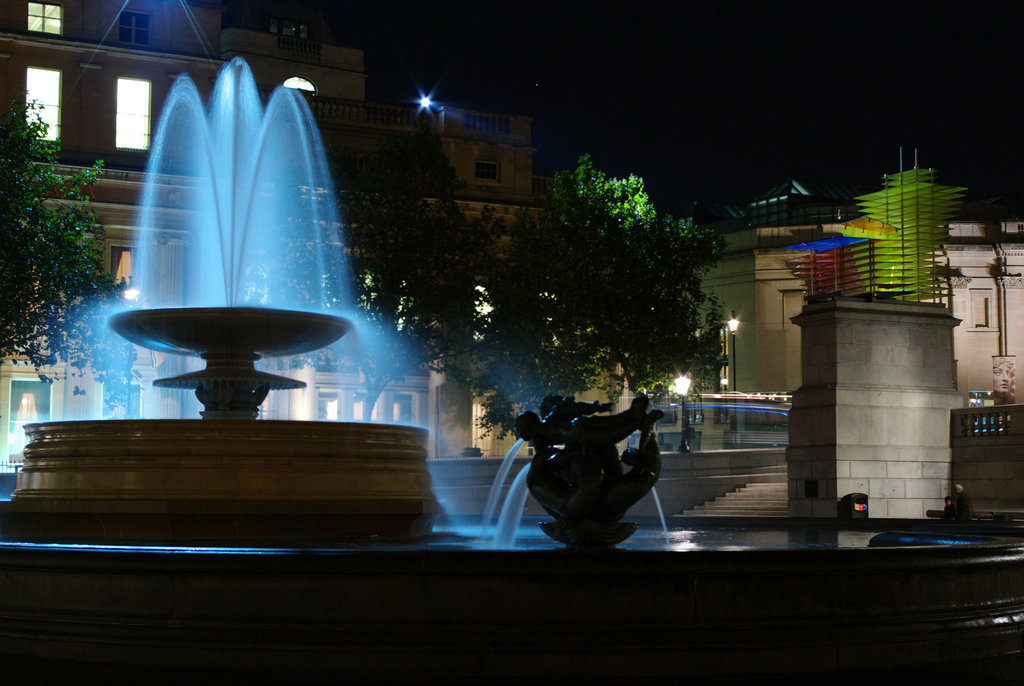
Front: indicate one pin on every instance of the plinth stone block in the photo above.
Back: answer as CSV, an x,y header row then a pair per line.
x,y
872,415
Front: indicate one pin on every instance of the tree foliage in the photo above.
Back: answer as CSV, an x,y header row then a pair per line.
x,y
415,258
55,293
596,289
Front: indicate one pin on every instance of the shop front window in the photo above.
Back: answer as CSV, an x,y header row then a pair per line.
x,y
30,403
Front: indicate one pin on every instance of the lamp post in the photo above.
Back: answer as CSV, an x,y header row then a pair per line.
x,y
682,387
733,324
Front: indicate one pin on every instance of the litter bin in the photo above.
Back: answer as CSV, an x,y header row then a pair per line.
x,y
853,506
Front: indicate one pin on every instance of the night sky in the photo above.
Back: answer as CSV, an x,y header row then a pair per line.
x,y
721,100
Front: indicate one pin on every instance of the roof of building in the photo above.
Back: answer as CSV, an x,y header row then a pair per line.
x,y
815,188
710,211
1008,205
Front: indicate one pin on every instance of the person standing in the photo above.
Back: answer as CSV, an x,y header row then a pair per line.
x,y
963,503
949,511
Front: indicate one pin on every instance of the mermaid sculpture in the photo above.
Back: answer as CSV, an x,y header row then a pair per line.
x,y
577,474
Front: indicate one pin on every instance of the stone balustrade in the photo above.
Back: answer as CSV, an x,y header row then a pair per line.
x,y
299,46
988,455
979,423
448,121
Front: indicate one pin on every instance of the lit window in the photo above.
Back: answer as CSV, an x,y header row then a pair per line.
x,y
299,83
487,170
121,266
43,86
980,307
328,406
133,27
401,408
132,114
30,402
44,17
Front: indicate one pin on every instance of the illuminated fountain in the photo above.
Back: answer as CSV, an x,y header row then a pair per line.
x,y
247,273
234,550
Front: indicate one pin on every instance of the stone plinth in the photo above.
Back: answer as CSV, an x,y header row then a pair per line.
x,y
872,415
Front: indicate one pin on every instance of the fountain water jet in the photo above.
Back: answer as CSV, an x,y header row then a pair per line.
x,y
254,270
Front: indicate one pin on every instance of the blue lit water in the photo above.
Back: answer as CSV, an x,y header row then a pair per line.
x,y
649,537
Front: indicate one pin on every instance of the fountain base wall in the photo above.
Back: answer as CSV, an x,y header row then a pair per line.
x,y
220,479
369,615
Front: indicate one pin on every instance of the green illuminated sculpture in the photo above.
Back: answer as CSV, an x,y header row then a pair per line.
x,y
890,250
909,222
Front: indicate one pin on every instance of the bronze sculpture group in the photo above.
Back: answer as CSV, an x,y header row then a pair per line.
x,y
577,474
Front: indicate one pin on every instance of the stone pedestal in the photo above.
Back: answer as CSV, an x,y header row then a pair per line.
x,y
872,415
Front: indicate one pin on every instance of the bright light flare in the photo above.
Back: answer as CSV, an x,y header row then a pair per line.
x,y
425,101
734,323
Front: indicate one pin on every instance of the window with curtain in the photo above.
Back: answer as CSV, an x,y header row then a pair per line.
x,y
133,114
43,87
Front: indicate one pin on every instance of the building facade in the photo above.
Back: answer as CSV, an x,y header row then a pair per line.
x,y
983,261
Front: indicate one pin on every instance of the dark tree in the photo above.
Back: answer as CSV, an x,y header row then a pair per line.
x,y
415,258
596,290
55,293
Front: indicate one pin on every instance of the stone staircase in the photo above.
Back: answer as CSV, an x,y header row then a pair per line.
x,y
753,500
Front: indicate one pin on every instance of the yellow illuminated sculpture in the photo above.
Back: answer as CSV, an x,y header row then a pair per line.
x,y
892,250
908,221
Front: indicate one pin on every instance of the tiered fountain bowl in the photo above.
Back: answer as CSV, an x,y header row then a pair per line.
x,y
230,340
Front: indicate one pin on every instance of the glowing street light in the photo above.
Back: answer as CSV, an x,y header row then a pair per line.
x,y
425,101
733,325
682,387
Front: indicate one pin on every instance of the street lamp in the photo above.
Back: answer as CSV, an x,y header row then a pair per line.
x,y
682,387
733,324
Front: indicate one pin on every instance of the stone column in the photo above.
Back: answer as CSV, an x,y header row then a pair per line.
x,y
872,415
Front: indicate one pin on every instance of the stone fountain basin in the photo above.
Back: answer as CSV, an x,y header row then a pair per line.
x,y
220,480
207,331
389,615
